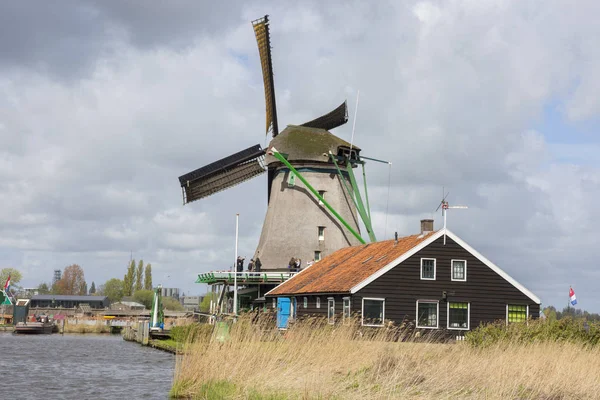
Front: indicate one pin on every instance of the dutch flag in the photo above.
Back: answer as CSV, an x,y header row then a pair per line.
x,y
572,296
7,285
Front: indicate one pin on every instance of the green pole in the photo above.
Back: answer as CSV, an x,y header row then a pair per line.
x,y
366,192
361,207
350,192
278,155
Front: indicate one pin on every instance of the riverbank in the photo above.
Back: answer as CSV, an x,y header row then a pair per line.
x,y
351,362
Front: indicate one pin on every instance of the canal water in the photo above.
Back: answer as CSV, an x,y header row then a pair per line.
x,y
82,367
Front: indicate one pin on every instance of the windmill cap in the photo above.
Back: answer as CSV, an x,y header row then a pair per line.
x,y
301,143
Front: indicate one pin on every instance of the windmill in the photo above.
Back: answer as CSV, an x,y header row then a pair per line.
x,y
313,198
445,207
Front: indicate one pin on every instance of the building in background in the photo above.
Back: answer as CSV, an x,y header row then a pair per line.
x,y
192,303
170,292
57,276
67,301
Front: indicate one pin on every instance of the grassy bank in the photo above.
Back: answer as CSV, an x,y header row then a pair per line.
x,y
314,360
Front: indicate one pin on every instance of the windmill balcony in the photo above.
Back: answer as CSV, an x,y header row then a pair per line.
x,y
244,277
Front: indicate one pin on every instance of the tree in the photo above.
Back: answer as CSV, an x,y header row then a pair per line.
x,y
113,289
144,297
93,288
15,276
170,303
138,276
72,281
205,304
43,288
148,277
128,280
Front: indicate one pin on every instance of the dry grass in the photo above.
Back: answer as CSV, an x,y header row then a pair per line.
x,y
99,327
313,360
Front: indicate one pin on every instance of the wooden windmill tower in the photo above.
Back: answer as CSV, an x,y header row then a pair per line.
x,y
312,195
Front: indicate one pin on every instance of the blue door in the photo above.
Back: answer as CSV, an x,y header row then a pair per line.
x,y
283,312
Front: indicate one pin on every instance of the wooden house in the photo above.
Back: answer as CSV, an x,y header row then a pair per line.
x,y
434,280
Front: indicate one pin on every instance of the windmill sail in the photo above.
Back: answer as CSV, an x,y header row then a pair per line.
x,y
222,174
263,39
331,120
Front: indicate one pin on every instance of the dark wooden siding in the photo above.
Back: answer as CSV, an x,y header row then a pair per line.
x,y
486,291
313,311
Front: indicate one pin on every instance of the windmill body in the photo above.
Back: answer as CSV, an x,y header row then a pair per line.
x,y
297,224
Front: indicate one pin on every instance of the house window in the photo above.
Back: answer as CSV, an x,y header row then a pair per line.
x,y
318,302
516,313
330,310
428,268
346,307
274,303
459,270
322,194
305,302
373,311
458,315
427,314
317,256
321,233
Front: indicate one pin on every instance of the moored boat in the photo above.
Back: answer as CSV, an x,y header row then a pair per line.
x,y
34,327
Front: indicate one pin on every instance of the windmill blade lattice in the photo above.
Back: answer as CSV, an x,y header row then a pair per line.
x,y
223,174
263,39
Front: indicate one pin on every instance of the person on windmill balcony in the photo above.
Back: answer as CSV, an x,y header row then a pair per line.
x,y
298,264
251,267
240,264
291,265
257,265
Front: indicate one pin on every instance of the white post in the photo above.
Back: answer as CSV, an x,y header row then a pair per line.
x,y
444,211
235,309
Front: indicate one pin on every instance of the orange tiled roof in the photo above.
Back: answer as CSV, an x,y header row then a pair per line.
x,y
346,268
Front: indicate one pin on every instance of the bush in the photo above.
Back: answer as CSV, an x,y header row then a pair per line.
x,y
536,331
191,333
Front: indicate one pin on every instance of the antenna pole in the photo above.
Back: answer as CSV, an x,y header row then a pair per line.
x,y
235,307
354,123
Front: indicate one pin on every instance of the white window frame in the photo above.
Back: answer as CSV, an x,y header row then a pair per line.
x,y
321,233
468,316
437,319
305,302
349,306
526,316
317,255
318,302
434,269
330,319
452,271
362,311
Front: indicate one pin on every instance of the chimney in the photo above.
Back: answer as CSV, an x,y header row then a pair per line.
x,y
396,238
426,226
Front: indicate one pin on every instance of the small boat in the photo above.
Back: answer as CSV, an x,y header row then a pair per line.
x,y
34,327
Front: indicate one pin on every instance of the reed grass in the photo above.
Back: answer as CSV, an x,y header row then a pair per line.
x,y
85,328
316,360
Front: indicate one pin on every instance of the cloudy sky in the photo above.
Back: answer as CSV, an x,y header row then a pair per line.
x,y
104,104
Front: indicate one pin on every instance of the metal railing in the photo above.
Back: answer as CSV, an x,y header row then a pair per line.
x,y
244,277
